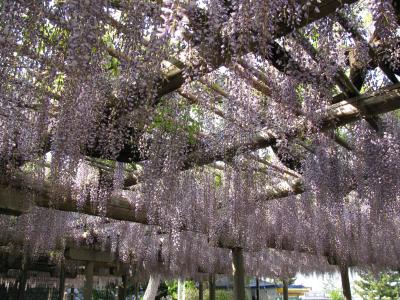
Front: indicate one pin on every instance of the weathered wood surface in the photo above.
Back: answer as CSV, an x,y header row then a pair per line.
x,y
239,290
18,197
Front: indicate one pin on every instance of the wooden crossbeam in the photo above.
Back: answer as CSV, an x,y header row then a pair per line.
x,y
173,81
344,83
18,197
346,24
323,9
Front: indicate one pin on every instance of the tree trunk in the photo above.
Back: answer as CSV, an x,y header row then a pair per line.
x,y
152,287
238,274
211,287
344,274
88,289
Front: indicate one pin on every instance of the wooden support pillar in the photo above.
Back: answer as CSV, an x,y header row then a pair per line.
x,y
181,289
152,287
238,274
22,279
72,294
61,284
88,289
211,287
285,289
50,294
122,288
137,291
201,291
344,274
257,289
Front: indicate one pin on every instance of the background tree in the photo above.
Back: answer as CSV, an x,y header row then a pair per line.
x,y
335,294
332,288
385,285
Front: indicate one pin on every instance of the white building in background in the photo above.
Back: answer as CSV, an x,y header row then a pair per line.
x,y
314,296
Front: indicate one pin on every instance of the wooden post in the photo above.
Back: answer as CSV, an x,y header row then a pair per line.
x,y
137,291
50,294
88,289
344,274
181,289
238,274
285,289
211,287
22,278
72,294
122,288
257,289
61,285
152,287
201,291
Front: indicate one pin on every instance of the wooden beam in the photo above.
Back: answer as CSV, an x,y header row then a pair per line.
x,y
343,82
19,196
348,26
346,111
86,254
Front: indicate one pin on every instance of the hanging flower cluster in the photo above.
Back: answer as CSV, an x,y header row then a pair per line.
x,y
202,122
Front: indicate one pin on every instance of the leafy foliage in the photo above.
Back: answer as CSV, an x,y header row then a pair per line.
x,y
335,294
385,285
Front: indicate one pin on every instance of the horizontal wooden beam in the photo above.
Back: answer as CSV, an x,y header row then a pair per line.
x,y
338,114
19,195
317,11
86,254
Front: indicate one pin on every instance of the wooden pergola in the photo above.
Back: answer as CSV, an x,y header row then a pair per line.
x,y
21,192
